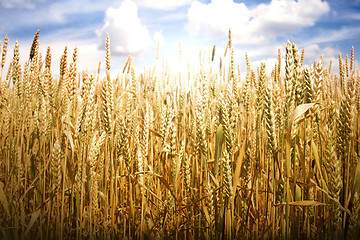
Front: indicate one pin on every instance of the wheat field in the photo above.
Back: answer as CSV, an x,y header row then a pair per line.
x,y
141,156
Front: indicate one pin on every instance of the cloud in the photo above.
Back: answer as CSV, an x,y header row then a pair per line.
x,y
50,13
269,65
158,37
313,52
88,54
163,5
29,4
256,25
128,36
334,35
60,11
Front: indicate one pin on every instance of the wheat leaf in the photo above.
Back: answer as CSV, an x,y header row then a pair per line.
x,y
34,217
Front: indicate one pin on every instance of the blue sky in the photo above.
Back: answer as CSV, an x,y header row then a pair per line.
x,y
135,27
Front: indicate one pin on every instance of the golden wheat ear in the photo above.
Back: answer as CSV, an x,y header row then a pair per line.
x,y
34,45
108,54
4,51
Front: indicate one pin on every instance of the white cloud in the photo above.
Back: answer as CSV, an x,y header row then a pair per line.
x,y
163,4
30,4
49,12
313,53
158,37
269,65
59,11
88,55
334,35
253,26
128,36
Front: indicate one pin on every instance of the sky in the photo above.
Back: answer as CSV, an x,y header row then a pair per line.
x,y
137,27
